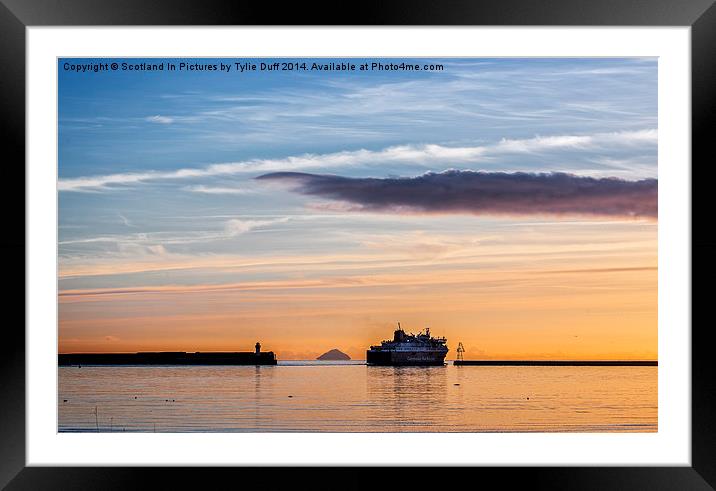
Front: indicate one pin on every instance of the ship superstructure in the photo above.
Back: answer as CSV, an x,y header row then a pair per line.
x,y
409,349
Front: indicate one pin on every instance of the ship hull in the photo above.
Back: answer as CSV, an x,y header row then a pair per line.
x,y
405,358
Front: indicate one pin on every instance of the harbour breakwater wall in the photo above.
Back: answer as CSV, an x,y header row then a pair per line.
x,y
558,363
167,358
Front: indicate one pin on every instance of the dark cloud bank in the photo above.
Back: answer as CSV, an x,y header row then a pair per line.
x,y
456,191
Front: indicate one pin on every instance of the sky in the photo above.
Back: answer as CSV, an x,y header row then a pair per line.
x,y
508,204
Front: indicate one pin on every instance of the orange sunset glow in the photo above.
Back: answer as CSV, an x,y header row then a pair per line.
x,y
585,290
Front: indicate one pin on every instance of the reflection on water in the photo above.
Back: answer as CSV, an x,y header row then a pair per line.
x,y
351,397
407,398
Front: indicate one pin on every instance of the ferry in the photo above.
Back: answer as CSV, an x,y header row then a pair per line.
x,y
409,350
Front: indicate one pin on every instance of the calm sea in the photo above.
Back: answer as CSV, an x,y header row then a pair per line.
x,y
352,397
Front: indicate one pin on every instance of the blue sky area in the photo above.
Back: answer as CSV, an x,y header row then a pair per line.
x,y
163,164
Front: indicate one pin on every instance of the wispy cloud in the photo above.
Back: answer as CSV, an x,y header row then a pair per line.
x,y
125,220
455,191
355,280
539,144
216,190
235,227
153,243
427,154
160,119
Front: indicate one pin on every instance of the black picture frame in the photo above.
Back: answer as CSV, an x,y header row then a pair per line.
x,y
700,15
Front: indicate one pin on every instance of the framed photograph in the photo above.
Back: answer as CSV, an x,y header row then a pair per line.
x,y
421,237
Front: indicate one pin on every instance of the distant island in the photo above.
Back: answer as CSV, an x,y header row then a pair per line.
x,y
334,354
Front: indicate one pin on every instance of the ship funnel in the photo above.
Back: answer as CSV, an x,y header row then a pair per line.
x,y
398,335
